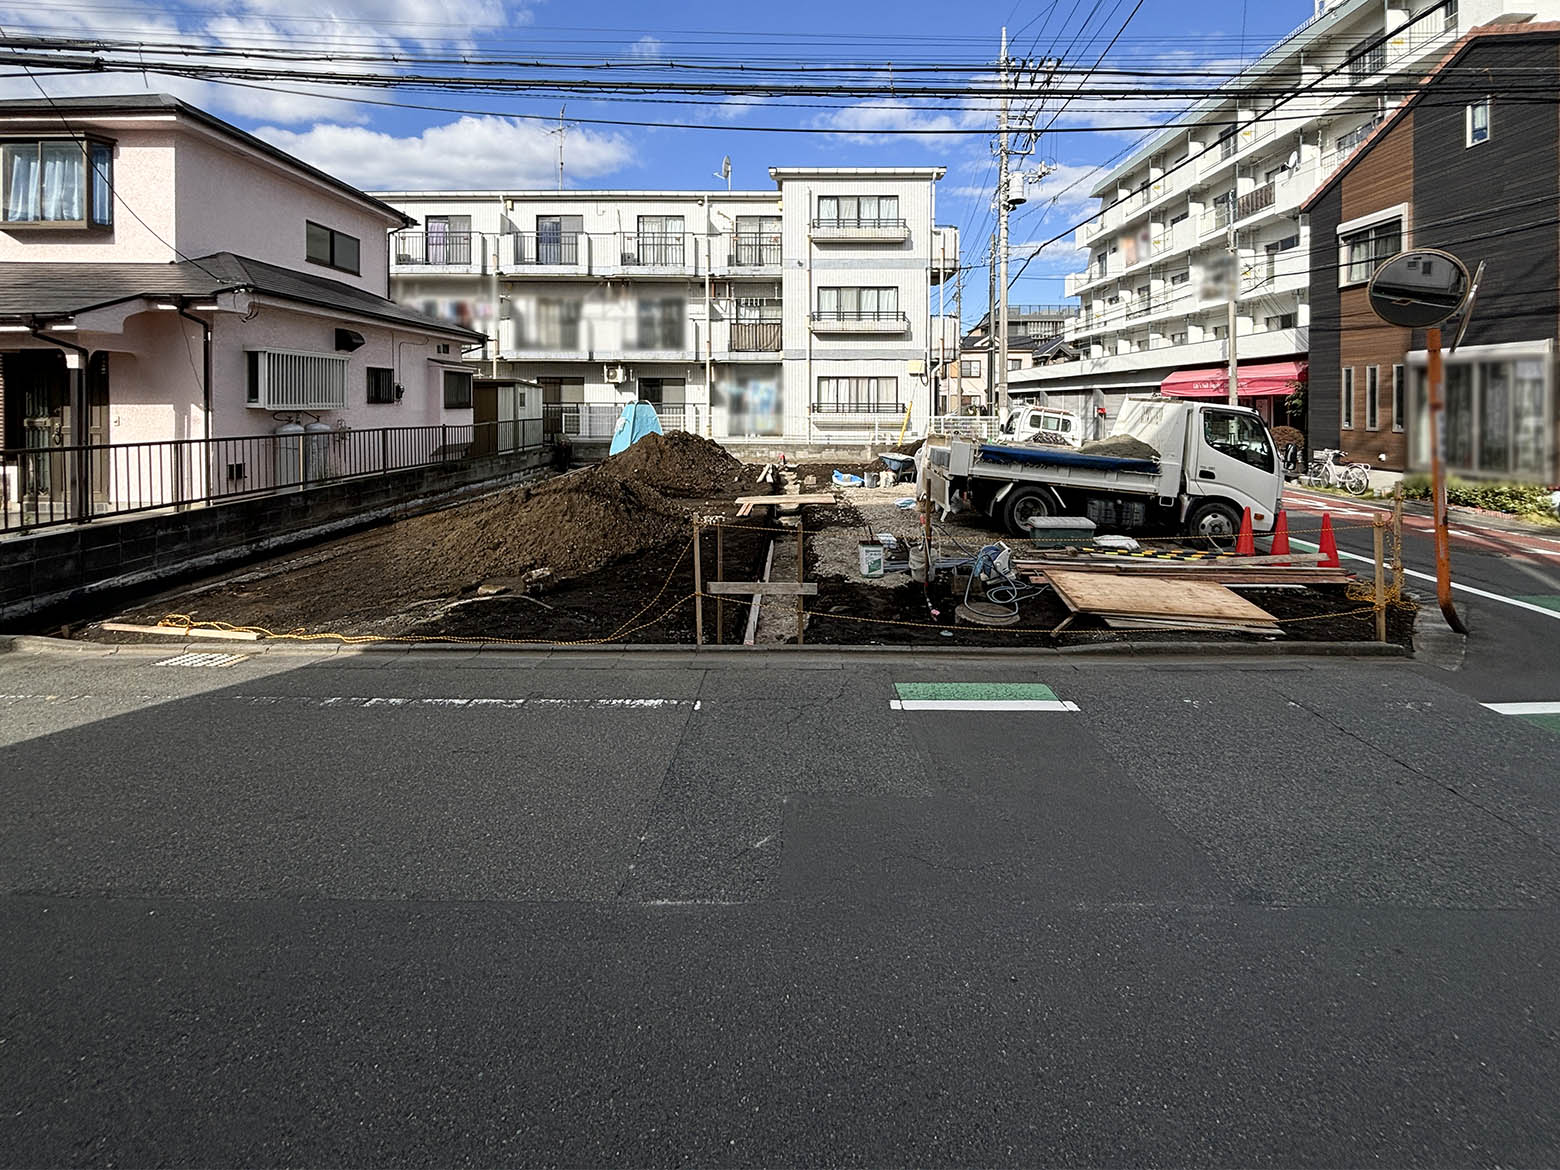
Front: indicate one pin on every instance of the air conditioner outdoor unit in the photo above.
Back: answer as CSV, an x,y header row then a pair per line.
x,y
617,375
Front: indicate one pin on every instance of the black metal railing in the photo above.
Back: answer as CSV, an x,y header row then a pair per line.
x,y
755,250
885,317
653,249
560,248
42,486
433,248
756,336
855,222
858,407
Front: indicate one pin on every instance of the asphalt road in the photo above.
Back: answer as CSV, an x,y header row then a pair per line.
x,y
638,909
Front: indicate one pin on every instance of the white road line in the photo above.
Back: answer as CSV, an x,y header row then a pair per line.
x,y
981,705
1523,708
383,702
1527,605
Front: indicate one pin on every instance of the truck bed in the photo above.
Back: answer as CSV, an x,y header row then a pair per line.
x,y
1040,456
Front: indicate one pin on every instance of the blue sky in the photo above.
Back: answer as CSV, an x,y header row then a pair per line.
x,y
487,145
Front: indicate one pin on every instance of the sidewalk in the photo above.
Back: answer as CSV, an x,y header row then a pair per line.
x,y
1463,517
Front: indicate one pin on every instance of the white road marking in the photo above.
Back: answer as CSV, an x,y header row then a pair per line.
x,y
375,702
1512,601
981,705
194,659
1523,708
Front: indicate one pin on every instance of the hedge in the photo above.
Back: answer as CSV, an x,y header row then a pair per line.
x,y
1521,499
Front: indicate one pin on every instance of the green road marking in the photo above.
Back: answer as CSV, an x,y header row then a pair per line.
x,y
1547,722
978,692
1547,602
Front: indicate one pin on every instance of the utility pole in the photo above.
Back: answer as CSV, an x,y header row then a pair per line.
x,y
1234,290
991,328
562,130
1001,323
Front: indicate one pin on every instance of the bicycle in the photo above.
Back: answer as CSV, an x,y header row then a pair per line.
x,y
1328,469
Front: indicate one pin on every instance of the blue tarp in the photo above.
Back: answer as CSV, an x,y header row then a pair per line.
x,y
637,420
1063,457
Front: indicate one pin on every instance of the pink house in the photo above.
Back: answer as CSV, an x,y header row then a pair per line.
x,y
166,276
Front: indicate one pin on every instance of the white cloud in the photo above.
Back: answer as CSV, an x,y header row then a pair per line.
x,y
869,119
485,152
646,48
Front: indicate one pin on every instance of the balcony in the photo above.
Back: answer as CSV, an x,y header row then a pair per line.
x,y
754,250
866,231
451,251
859,321
756,336
548,251
661,253
1256,200
1216,218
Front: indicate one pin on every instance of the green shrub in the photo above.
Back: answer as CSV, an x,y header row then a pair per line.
x,y
1521,499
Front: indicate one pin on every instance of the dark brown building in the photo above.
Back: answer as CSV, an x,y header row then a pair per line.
x,y
1470,163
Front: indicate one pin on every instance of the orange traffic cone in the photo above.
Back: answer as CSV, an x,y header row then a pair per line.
x,y
1280,536
1245,546
1328,544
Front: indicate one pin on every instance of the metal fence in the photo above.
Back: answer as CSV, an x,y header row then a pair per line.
x,y
598,420
41,486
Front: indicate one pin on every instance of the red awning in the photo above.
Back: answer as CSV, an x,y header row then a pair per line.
x,y
1268,380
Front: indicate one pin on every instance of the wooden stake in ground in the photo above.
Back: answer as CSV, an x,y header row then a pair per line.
x,y
1397,539
698,591
801,575
720,575
1378,535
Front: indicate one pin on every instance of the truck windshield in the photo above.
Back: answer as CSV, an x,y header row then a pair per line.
x,y
1240,436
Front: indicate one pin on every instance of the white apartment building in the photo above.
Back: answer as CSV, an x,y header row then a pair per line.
x,y
1154,298
806,313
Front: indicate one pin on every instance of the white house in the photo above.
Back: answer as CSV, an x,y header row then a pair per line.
x,y
805,312
166,276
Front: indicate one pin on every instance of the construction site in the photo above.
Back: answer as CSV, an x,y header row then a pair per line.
x,y
677,541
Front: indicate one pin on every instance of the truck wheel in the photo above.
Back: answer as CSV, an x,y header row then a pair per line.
x,y
1024,505
1215,523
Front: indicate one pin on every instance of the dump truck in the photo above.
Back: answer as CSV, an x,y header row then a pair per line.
x,y
1042,424
1193,470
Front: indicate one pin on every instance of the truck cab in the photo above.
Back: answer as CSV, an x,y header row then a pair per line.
x,y
1042,424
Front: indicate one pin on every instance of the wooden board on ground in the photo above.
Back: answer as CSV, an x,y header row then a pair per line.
x,y
1107,593
777,588
786,501
182,631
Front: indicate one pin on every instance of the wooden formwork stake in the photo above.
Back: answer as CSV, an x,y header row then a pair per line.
x,y
698,591
720,575
1397,539
1378,534
801,573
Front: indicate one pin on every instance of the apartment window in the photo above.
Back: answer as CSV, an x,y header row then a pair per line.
x,y
1280,321
1220,332
1353,138
1398,404
1372,398
1367,249
381,385
662,323
323,245
557,325
285,379
1346,401
448,239
1015,363
858,210
858,395
660,240
1175,219
558,238
758,240
457,389
1449,15
1477,121
57,182
1179,278
1178,338
656,391
969,369
1227,143
858,304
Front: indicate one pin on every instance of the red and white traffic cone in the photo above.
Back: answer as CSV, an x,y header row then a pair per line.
x,y
1280,537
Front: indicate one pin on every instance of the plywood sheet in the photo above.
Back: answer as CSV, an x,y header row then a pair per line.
x,y
1108,593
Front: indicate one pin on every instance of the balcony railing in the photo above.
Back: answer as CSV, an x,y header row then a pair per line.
x,y
756,336
435,249
859,321
598,420
1216,217
653,249
755,250
43,486
1254,201
866,229
561,249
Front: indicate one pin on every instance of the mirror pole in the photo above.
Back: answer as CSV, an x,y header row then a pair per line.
x,y
1443,553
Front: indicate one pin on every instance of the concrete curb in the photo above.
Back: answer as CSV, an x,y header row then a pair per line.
x,y
687,654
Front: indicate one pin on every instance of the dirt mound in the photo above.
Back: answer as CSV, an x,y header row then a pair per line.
x,y
572,525
910,448
1121,447
681,464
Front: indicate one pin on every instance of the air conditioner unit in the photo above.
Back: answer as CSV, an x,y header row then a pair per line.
x,y
617,375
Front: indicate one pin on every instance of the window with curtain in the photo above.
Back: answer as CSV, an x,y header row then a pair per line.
x,y
1366,250
57,182
858,304
858,210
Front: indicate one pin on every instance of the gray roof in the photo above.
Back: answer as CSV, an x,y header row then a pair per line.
x,y
163,103
45,290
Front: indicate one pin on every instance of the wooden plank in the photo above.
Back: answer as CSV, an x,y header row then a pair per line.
x,y
182,631
787,501
1109,593
777,588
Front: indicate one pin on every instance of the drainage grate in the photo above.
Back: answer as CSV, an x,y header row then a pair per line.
x,y
202,660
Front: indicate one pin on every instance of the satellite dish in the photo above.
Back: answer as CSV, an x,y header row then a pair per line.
x,y
725,167
1418,289
1294,160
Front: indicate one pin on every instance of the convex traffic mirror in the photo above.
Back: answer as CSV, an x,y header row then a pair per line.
x,y
1419,289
